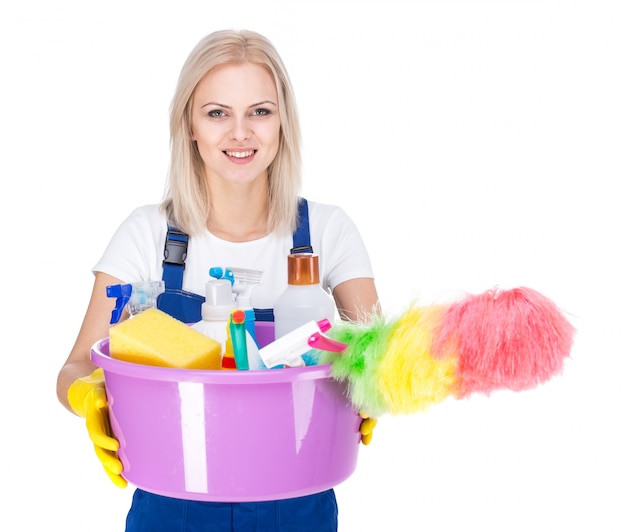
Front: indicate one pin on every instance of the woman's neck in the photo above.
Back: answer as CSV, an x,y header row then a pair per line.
x,y
239,216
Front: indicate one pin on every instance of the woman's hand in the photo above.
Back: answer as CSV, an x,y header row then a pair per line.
x,y
87,397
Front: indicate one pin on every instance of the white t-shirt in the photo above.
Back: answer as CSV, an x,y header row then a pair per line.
x,y
135,253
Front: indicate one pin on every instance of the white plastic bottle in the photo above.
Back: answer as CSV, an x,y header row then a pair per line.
x,y
304,299
216,311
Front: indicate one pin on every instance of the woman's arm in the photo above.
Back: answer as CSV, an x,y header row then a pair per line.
x,y
95,326
357,299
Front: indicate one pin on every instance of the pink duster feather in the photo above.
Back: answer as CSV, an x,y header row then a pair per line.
x,y
504,339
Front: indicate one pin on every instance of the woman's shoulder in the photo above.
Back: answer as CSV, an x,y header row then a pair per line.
x,y
147,215
324,213
320,208
151,211
145,222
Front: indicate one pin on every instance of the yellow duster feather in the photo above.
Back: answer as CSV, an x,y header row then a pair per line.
x,y
409,378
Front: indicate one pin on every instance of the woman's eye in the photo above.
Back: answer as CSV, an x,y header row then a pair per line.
x,y
216,113
261,112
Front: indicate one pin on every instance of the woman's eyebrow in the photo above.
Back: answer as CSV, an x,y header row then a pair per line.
x,y
264,102
216,105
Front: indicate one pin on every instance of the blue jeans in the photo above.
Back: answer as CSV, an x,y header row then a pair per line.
x,y
155,513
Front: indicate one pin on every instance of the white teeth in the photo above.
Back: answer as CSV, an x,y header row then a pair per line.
x,y
240,154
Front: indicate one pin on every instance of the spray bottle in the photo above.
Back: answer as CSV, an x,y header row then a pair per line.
x,y
136,297
291,349
242,283
242,280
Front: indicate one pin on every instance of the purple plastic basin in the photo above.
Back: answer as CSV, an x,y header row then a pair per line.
x,y
227,435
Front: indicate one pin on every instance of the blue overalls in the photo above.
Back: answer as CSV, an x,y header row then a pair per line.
x,y
155,513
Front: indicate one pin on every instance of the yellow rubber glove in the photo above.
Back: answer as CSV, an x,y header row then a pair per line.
x,y
367,428
87,397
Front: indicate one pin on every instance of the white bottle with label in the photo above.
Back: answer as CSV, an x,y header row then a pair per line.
x,y
304,299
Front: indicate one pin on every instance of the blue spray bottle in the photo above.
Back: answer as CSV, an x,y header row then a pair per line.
x,y
136,297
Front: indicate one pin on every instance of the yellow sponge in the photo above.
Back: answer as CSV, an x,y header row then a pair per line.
x,y
155,338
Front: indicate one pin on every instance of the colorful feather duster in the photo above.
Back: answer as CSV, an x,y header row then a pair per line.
x,y
501,339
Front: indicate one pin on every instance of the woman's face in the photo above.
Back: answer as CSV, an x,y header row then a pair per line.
x,y
235,122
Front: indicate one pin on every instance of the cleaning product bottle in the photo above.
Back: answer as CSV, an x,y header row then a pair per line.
x,y
304,299
216,311
135,297
292,348
242,281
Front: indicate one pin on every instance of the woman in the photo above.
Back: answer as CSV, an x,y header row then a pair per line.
x,y
233,188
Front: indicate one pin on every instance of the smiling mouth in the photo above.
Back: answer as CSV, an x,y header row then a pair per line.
x,y
240,154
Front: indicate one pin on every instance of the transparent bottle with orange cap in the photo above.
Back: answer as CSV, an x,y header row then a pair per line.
x,y
304,299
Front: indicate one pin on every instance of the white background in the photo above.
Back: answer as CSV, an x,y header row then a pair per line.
x,y
475,143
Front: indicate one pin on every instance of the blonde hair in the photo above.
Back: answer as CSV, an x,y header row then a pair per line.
x,y
186,198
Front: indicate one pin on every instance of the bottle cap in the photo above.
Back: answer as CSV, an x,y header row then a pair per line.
x,y
219,300
303,268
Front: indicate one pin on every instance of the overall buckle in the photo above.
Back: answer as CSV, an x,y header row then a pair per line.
x,y
175,248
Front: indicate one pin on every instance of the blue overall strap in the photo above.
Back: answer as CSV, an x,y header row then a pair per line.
x,y
174,257
302,235
175,301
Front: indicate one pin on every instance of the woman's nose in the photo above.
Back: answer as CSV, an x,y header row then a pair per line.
x,y
240,129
